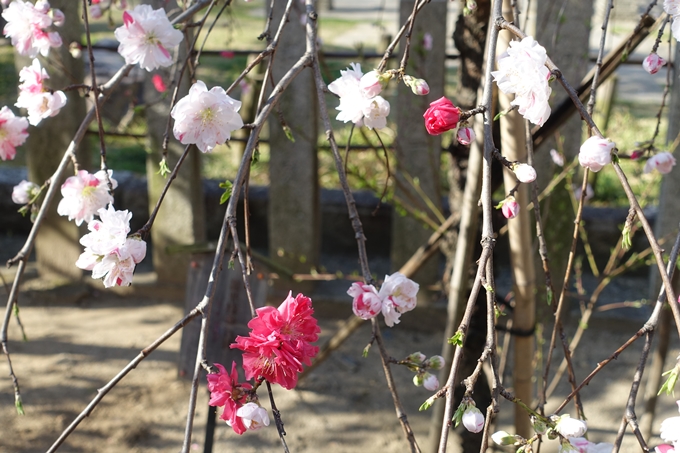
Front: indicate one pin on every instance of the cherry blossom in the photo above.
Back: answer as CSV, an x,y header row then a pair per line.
x,y
525,173
371,84
390,313
159,83
109,253
661,162
253,416
465,136
12,133
146,36
401,291
430,382
557,157
27,26
595,153
522,72
441,116
226,391
24,191
653,62
473,419
583,445
206,118
84,194
356,103
672,8
280,340
35,97
366,303
570,427
670,430
510,208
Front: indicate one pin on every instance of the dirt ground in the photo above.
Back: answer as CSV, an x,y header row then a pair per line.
x,y
79,339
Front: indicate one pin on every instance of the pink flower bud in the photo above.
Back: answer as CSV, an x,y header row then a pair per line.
x,y
418,86
595,153
635,155
653,63
441,116
95,11
58,17
662,162
570,427
158,83
466,135
510,208
366,303
427,41
525,173
24,191
473,419
557,158
42,6
430,382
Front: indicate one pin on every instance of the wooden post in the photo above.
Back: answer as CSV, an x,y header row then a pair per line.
x,y
418,153
181,219
294,209
47,142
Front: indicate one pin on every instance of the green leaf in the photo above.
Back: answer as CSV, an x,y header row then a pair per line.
x,y
289,133
626,242
19,405
427,404
458,415
227,186
256,157
163,169
549,295
231,264
669,385
364,354
457,339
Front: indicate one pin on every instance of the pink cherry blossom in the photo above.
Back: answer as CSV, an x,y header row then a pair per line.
x,y
27,26
279,342
441,116
12,133
525,173
109,253
670,430
671,7
466,135
473,419
653,62
226,391
557,157
146,37
371,84
595,153
356,105
510,208
366,303
661,162
206,118
158,83
401,290
58,17
24,191
390,312
35,97
253,416
85,194
522,72
664,448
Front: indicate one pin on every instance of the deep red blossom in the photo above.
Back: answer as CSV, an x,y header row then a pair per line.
x,y
226,391
441,116
279,341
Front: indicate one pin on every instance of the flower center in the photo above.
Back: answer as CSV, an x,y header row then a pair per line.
x,y
207,115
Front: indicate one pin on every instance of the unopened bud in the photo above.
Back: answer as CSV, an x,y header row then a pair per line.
x,y
418,86
436,362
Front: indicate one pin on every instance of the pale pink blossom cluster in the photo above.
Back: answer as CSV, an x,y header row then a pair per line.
x,y
522,72
672,8
595,153
109,253
12,133
360,102
28,26
146,37
206,118
397,295
85,194
23,192
661,162
38,100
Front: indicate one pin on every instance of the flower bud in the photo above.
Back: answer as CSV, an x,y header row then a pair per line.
x,y
473,419
417,357
571,427
95,11
557,158
441,116
466,135
437,362
24,191
42,6
595,153
253,415
653,62
525,173
539,425
418,380
662,162
510,208
430,382
58,17
635,155
502,438
418,86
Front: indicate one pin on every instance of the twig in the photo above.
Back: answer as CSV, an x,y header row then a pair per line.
x,y
600,55
397,37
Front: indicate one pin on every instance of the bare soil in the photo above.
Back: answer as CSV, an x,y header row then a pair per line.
x,y
78,339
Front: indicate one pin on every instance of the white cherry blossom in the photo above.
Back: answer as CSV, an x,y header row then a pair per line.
x,y
27,26
206,118
360,105
253,415
661,162
146,37
400,290
84,194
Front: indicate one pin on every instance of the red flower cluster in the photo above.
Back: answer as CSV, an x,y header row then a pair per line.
x,y
279,341
226,391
